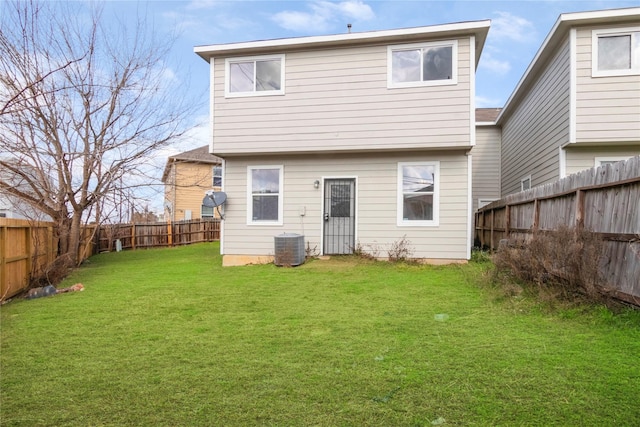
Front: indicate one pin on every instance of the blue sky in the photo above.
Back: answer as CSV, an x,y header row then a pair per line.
x,y
518,29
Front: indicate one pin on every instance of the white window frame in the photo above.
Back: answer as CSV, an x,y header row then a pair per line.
x,y
250,220
454,64
484,202
523,180
254,59
202,214
634,32
213,176
598,160
401,222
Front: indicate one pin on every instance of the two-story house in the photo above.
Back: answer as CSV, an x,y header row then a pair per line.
x,y
578,103
352,140
187,178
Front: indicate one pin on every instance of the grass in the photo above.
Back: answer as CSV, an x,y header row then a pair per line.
x,y
170,338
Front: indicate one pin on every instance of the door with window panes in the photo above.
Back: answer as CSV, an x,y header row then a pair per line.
x,y
339,216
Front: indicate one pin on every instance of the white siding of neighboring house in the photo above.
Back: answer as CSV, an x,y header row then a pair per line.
x,y
581,158
537,126
607,108
338,100
376,203
486,164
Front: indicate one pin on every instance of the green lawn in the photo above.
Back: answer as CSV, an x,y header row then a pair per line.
x,y
170,338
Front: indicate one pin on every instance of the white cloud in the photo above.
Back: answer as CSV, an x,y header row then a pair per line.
x,y
324,15
512,27
494,65
201,4
484,102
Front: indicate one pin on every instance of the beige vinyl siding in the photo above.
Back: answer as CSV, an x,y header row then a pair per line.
x,y
581,158
192,180
607,108
338,100
538,125
376,203
486,164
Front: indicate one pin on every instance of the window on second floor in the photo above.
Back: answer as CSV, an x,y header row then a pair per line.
x,y
425,64
616,52
254,76
217,176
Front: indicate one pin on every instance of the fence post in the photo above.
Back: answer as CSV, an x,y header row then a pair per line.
x,y
507,221
579,210
491,238
133,236
3,260
169,233
28,243
536,214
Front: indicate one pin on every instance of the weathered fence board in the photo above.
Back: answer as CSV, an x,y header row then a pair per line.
x,y
604,200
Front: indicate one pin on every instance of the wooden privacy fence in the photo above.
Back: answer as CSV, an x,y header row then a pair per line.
x,y
604,200
138,236
28,248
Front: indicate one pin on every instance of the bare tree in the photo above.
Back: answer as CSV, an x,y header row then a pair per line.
x,y
83,108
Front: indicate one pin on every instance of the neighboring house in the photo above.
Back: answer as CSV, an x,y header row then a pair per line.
x,y
14,207
578,104
353,140
486,158
187,177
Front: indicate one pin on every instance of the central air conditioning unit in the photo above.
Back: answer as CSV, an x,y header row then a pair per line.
x,y
289,249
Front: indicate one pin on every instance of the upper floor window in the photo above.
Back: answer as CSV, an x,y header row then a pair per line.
x,y
254,76
217,176
264,194
616,52
418,193
425,64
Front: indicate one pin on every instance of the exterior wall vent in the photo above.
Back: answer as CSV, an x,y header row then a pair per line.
x,y
289,249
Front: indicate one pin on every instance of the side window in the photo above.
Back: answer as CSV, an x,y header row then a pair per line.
x,y
217,176
264,191
254,76
525,183
418,193
616,52
426,64
206,212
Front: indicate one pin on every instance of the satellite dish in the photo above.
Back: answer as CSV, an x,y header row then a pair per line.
x,y
214,199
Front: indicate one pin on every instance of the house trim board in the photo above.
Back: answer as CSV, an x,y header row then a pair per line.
x,y
472,92
212,85
572,85
469,204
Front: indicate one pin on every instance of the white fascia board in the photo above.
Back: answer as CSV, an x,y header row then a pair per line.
x,y
565,21
486,124
344,39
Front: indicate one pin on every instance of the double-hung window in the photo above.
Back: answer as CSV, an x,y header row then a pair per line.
x,y
217,176
615,52
418,193
254,76
424,64
264,195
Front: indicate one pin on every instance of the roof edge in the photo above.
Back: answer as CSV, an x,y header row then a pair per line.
x,y
563,23
207,51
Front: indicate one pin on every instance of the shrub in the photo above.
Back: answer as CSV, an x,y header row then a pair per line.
x,y
563,263
400,250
